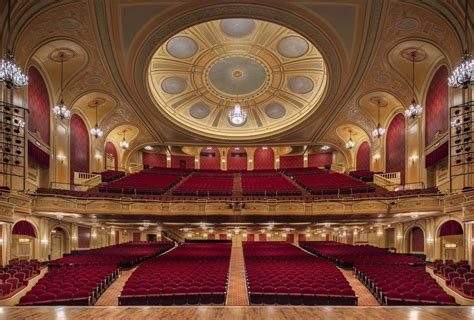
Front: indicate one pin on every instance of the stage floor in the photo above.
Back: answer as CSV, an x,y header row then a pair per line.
x,y
227,313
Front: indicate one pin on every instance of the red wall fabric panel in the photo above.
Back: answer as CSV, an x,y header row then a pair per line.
x,y
39,105
188,161
319,159
38,154
436,155
24,228
287,162
301,237
110,149
210,163
395,150
262,237
222,236
136,236
83,237
263,159
251,237
117,237
211,236
417,240
436,117
79,146
236,163
290,238
154,160
363,156
450,228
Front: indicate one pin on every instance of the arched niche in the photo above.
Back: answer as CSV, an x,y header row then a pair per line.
x,y
60,242
111,156
363,156
415,240
24,240
451,240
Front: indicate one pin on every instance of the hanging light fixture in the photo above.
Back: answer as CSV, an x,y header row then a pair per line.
x,y
350,144
124,143
60,110
96,132
10,73
237,115
379,131
463,74
414,110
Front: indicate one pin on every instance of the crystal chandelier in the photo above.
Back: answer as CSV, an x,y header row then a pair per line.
x,y
10,72
124,143
379,131
414,110
350,144
237,115
96,132
60,111
463,74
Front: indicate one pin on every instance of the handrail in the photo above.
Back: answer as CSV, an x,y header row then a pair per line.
x,y
87,179
135,167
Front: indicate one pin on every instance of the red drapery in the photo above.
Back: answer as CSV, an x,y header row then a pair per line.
x,y
24,228
262,237
83,237
417,240
290,238
363,156
117,237
436,155
251,237
436,106
79,146
395,146
222,236
110,149
301,237
350,238
450,228
39,105
136,236
39,155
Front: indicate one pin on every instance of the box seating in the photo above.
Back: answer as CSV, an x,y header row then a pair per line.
x,y
280,273
190,274
122,255
16,274
459,276
394,279
364,175
71,286
110,175
332,183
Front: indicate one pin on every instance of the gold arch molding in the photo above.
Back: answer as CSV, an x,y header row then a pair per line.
x,y
276,74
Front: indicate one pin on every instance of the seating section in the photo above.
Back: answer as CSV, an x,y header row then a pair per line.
x,y
394,279
205,183
71,286
459,276
332,183
188,275
267,183
347,255
16,275
364,175
151,181
111,175
121,255
280,273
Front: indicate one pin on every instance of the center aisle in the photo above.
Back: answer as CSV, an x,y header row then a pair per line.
x,y
237,289
366,298
110,296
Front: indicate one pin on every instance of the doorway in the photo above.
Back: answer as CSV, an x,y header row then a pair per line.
x,y
151,237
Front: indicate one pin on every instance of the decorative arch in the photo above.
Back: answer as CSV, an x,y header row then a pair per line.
x,y
38,105
416,239
436,106
363,156
24,228
79,146
264,158
395,146
450,228
111,150
236,159
210,158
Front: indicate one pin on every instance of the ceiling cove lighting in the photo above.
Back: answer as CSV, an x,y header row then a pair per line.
x,y
10,73
463,74
414,110
60,111
379,131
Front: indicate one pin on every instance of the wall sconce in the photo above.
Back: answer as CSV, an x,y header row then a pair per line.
x,y
44,241
98,157
61,158
429,240
380,233
250,160
413,158
399,236
245,235
168,158
308,235
1,242
94,235
74,237
223,160
376,157
277,160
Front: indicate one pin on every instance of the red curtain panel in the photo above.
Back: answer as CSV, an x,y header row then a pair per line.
x,y
450,228
136,236
38,105
395,146
363,156
79,146
110,149
24,228
436,117
417,239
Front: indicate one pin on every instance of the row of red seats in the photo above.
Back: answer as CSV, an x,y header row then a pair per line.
x,y
142,182
71,286
348,255
16,274
330,183
122,255
459,276
280,273
275,185
204,185
190,274
303,171
110,175
364,175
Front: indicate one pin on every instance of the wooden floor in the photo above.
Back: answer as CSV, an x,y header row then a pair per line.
x,y
110,296
365,297
228,313
237,290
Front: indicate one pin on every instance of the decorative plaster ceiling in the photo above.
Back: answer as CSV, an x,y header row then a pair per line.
x,y
197,76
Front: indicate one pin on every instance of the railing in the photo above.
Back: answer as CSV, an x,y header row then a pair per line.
x,y
68,186
406,186
387,180
338,167
135,167
87,179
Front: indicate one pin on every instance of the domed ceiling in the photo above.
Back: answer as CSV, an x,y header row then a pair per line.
x,y
198,75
